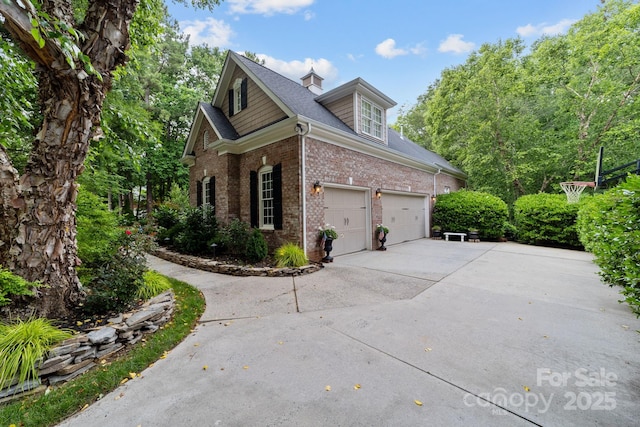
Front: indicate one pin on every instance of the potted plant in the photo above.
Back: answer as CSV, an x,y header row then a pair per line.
x,y
473,235
327,235
382,232
436,232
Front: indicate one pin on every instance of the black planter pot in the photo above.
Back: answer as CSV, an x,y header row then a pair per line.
x,y
473,236
382,242
436,234
328,247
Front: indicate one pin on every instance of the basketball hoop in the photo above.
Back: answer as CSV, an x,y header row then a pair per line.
x,y
574,189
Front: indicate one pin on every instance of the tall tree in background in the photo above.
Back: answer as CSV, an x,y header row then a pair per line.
x,y
76,51
520,123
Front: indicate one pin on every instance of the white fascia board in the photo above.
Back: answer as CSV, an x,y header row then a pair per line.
x,y
274,133
195,127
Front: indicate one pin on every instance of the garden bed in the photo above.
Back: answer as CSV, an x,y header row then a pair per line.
x,y
230,267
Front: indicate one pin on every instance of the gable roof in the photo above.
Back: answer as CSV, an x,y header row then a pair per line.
x,y
296,100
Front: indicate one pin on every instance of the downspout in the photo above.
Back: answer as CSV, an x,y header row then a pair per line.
x,y
434,178
303,193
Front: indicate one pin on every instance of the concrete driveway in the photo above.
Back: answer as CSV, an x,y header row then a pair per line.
x,y
426,333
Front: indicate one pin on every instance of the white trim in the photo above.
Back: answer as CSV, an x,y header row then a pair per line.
x,y
374,107
263,170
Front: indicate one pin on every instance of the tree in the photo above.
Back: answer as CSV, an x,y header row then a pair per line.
x,y
75,61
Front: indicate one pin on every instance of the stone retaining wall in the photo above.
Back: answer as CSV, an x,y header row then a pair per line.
x,y
214,266
86,350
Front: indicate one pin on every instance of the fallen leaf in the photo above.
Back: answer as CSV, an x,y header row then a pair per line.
x,y
417,402
328,388
205,367
86,405
132,375
280,342
356,387
625,327
151,364
427,349
124,380
545,336
245,367
526,388
196,344
519,318
79,323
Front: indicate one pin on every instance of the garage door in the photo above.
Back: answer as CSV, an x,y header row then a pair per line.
x,y
347,211
405,216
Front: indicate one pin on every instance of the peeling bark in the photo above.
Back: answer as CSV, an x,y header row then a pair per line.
x,y
39,234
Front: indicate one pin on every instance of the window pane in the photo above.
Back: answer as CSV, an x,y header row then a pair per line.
x,y
266,195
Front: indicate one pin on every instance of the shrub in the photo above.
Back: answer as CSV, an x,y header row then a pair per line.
x,y
290,255
22,345
462,210
114,284
609,227
197,228
11,284
97,229
257,248
234,237
153,284
166,215
546,219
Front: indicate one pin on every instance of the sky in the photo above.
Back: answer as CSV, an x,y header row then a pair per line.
x,y
398,46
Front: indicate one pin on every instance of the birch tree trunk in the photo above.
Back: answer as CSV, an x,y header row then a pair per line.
x,y
38,229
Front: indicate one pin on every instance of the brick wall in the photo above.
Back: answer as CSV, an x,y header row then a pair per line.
x,y
331,164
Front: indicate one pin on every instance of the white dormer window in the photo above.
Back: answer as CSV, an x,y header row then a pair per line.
x,y
371,119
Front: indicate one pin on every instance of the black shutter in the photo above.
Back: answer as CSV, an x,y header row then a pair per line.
x,y
277,196
253,191
212,191
231,102
243,94
199,193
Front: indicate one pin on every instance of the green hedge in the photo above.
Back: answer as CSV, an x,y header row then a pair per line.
x,y
464,210
609,227
546,219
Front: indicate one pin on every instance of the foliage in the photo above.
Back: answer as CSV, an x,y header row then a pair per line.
x,y
462,210
11,284
115,282
153,284
328,232
546,219
234,237
71,397
257,248
97,229
380,228
22,345
195,231
290,255
166,215
609,227
517,119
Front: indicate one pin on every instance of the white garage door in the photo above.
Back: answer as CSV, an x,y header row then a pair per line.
x,y
347,211
405,216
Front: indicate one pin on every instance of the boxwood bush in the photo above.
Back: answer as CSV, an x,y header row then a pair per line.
x,y
464,210
546,219
609,227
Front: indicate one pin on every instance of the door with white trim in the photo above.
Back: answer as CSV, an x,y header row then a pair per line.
x,y
346,209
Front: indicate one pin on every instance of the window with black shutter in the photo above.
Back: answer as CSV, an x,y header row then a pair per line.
x,y
199,193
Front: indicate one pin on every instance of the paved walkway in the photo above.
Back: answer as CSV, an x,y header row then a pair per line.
x,y
427,333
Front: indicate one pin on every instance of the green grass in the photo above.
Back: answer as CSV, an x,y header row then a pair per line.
x,y
62,402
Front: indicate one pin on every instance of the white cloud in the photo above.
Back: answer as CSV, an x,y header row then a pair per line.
x,y
387,49
309,15
211,31
419,49
560,27
354,57
454,43
268,7
296,69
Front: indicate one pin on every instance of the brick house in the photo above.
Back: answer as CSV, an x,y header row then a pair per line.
x,y
288,158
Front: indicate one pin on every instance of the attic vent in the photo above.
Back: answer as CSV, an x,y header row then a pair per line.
x,y
313,82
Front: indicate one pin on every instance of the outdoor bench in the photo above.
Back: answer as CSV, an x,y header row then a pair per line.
x,y
449,233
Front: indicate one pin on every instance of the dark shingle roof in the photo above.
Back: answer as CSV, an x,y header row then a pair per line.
x,y
411,149
301,101
296,97
224,126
